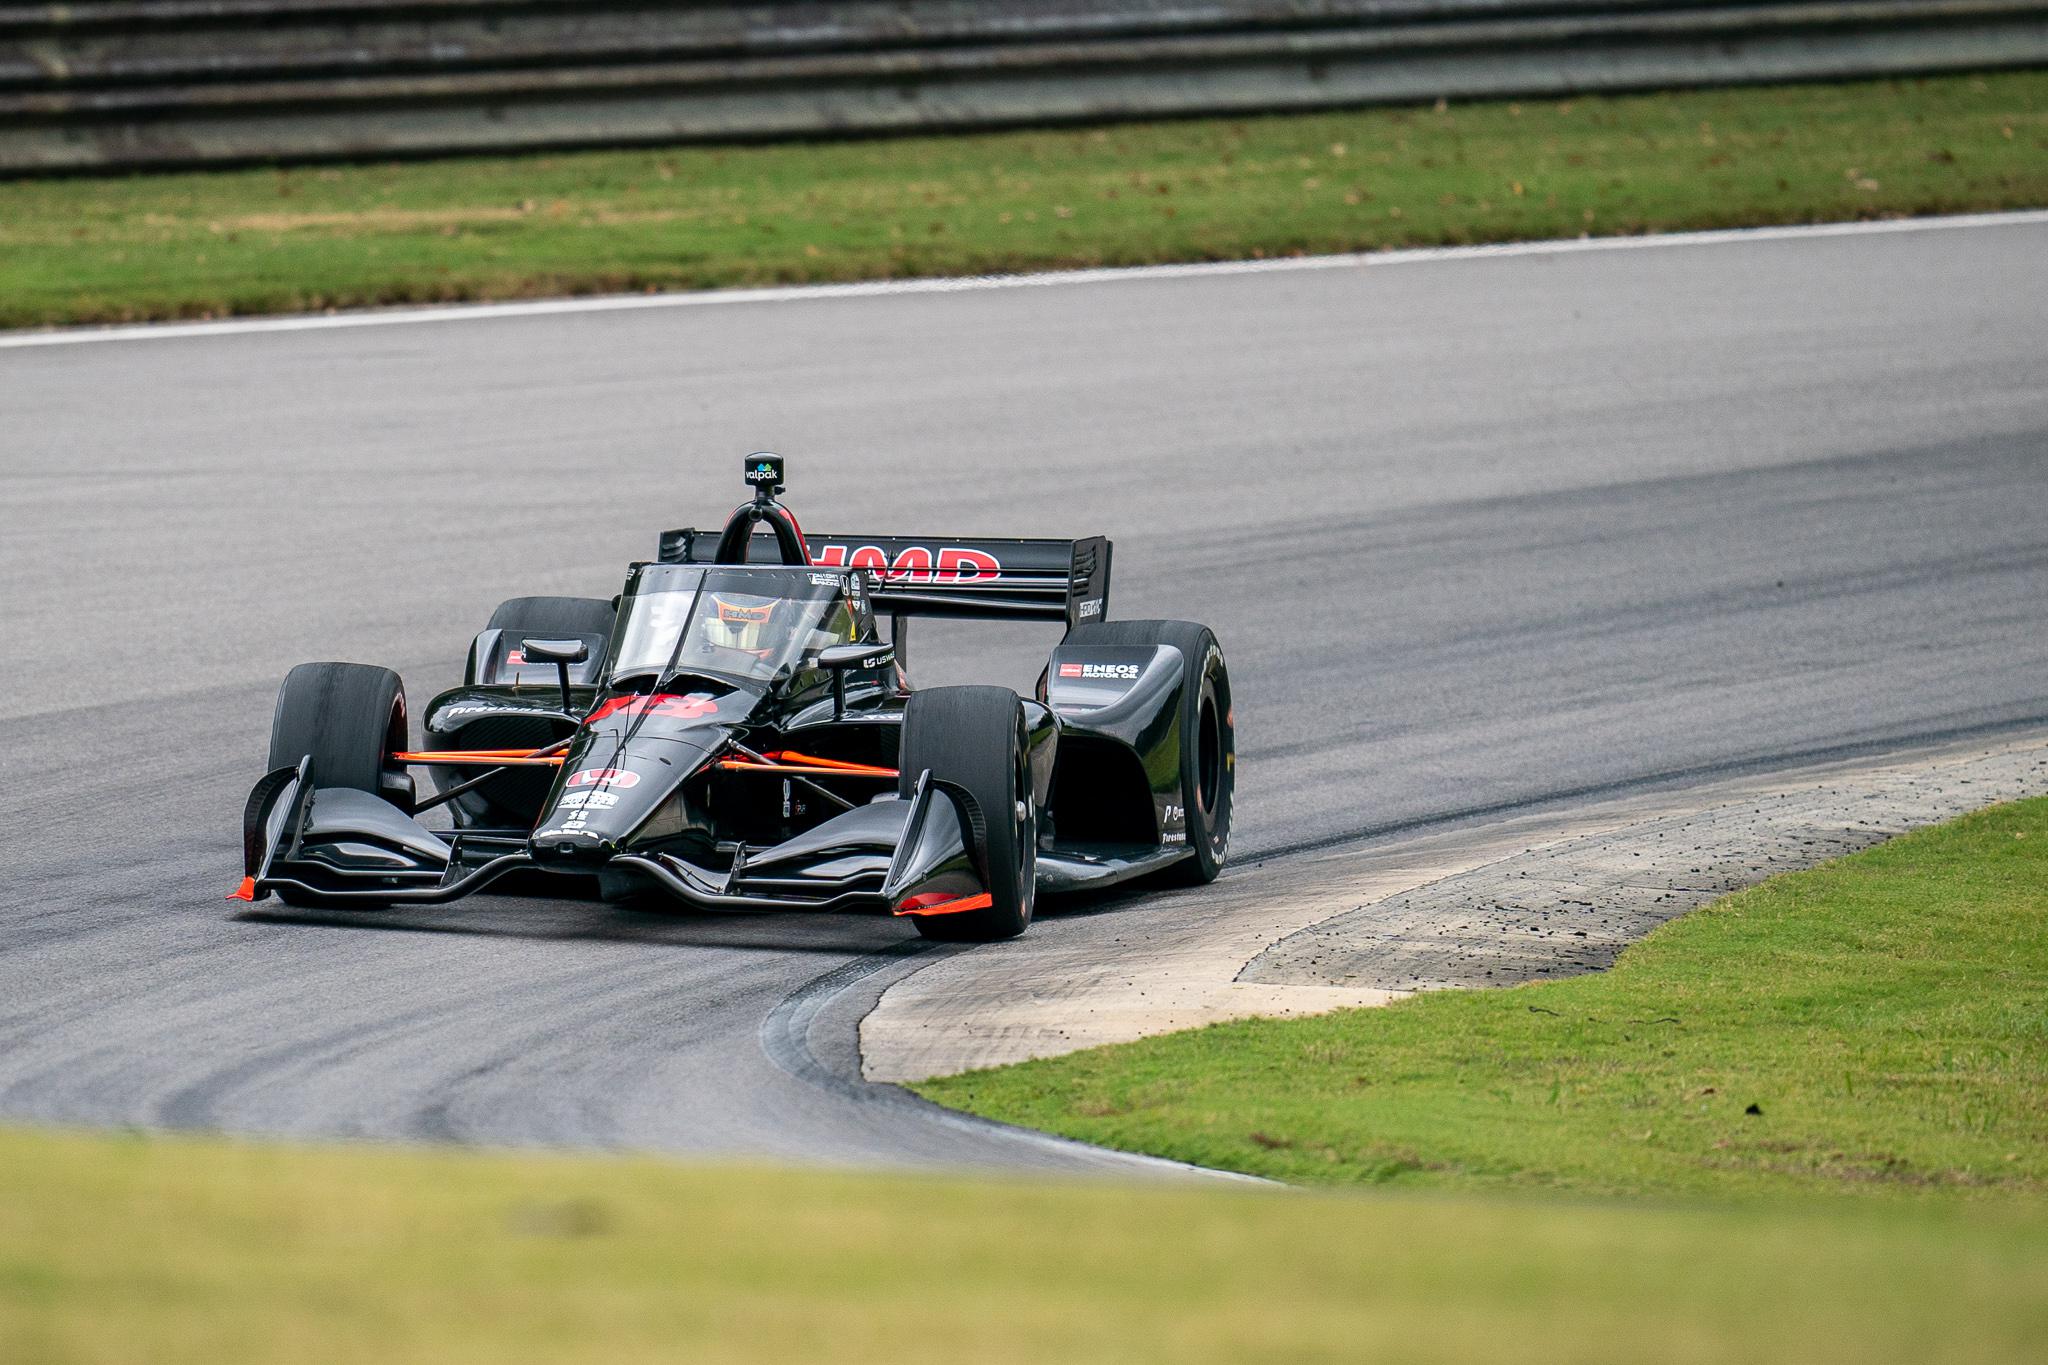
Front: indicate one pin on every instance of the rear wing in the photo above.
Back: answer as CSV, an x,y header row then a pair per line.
x,y
983,579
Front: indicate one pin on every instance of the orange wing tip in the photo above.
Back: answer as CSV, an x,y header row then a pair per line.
x,y
245,892
937,903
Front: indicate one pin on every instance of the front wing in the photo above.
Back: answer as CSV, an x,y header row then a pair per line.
x,y
338,846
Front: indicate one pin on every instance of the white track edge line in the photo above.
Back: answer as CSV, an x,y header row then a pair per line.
x,y
607,303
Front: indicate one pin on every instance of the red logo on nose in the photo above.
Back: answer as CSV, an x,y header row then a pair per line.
x,y
663,704
603,777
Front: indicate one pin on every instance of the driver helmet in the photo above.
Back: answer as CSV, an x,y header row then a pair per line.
x,y
741,621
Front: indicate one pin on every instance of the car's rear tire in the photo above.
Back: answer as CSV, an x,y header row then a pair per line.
x,y
350,718
1208,737
556,617
512,800
975,737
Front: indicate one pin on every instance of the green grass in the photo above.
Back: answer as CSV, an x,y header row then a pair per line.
x,y
186,245
1877,1026
170,1251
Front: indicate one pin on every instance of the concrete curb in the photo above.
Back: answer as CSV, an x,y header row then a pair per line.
x,y
1540,896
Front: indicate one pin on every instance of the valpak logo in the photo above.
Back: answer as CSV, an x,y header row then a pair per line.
x,y
913,563
1101,672
604,777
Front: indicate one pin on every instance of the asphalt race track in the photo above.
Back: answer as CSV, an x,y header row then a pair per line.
x,y
1476,534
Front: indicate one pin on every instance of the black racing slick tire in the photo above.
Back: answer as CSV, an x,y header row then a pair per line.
x,y
351,719
975,737
559,617
1208,733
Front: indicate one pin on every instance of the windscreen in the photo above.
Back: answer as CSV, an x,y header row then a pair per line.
x,y
729,621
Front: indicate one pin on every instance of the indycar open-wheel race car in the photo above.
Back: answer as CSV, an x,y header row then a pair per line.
x,y
732,732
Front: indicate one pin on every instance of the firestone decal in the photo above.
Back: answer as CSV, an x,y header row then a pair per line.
x,y
479,709
914,563
603,777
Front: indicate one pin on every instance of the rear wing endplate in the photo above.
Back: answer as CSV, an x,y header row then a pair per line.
x,y
983,579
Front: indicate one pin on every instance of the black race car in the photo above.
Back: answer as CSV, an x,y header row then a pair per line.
x,y
732,732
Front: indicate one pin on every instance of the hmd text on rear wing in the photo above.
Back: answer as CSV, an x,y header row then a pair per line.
x,y
984,578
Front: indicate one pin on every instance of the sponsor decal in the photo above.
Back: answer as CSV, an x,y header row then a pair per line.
x,y
603,777
1175,814
1092,607
825,580
565,832
1101,672
516,657
587,800
913,563
667,704
478,709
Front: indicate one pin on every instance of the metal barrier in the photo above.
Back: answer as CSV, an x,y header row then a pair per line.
x,y
103,84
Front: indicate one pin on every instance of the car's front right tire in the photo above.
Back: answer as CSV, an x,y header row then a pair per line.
x,y
975,738
350,718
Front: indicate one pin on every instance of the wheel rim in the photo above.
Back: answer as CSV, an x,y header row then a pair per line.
x,y
1208,754
1027,846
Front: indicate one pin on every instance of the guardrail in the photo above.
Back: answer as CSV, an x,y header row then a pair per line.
x,y
105,84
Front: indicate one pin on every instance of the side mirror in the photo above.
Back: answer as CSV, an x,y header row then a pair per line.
x,y
856,656
839,658
560,653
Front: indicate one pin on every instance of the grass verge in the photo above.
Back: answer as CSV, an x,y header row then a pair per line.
x,y
259,241
1877,1025
172,1250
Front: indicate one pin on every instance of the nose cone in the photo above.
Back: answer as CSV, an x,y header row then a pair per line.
x,y
608,790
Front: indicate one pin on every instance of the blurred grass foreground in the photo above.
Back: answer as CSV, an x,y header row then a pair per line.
x,y
182,1251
